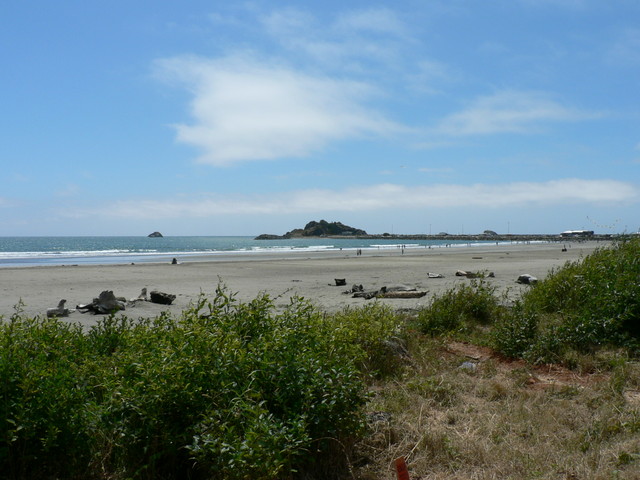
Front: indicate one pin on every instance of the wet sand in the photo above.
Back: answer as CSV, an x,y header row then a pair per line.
x,y
309,275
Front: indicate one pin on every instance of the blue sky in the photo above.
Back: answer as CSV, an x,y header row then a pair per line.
x,y
241,118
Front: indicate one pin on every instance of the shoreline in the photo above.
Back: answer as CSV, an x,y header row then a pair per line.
x,y
125,250
282,275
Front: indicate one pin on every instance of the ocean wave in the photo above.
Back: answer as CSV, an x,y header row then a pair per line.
x,y
71,253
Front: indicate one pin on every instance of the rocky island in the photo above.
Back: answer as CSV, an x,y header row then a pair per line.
x,y
155,235
337,229
316,229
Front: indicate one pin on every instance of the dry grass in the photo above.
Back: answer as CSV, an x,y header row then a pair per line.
x,y
459,412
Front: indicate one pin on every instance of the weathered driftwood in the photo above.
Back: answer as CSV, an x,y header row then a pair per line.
x,y
527,279
397,288
464,273
434,275
162,298
402,294
59,311
140,298
354,289
143,295
104,304
366,295
395,291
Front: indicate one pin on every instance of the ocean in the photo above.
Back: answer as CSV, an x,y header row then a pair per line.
x,y
32,251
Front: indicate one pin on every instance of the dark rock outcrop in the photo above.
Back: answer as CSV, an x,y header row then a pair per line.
x,y
155,235
268,236
317,229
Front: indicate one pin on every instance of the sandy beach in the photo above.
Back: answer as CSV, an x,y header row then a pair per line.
x,y
309,275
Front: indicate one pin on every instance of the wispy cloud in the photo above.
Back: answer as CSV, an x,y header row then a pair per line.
x,y
384,197
626,49
244,109
436,170
377,20
508,112
250,107
69,190
348,42
568,4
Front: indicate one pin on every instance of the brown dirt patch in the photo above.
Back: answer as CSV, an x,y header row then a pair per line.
x,y
542,376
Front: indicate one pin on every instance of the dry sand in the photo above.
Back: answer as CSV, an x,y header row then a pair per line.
x,y
309,275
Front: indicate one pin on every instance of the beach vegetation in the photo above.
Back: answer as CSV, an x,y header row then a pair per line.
x,y
227,390
582,308
473,385
460,309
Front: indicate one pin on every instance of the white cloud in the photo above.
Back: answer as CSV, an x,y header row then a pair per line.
x,y
385,197
508,112
248,110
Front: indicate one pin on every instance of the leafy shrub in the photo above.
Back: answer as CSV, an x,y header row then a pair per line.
x,y
43,403
605,284
582,307
227,390
373,329
515,334
462,306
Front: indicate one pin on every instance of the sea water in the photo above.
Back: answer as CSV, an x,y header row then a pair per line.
x,y
31,251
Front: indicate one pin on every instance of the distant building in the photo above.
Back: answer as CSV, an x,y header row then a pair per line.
x,y
577,234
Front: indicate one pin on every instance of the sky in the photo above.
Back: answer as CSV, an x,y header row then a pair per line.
x,y
242,118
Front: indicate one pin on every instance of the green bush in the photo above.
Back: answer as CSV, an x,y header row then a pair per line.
x,y
44,406
515,334
460,307
583,306
227,390
604,287
375,331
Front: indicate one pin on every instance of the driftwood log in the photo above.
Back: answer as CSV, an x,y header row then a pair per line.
x,y
527,279
402,294
464,273
59,311
105,303
140,298
397,291
161,297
